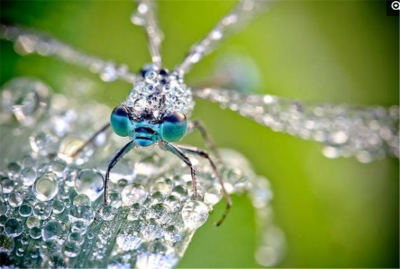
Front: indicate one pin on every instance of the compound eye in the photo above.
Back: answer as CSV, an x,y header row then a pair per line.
x,y
174,127
120,122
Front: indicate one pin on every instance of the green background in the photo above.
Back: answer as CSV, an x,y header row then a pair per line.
x,y
335,213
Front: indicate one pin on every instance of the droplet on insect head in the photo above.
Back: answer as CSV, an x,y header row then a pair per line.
x,y
46,187
24,99
89,182
194,214
134,193
6,244
53,230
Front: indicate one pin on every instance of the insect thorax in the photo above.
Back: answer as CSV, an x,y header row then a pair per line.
x,y
157,94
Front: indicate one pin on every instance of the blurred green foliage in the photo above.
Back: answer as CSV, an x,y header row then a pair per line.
x,y
335,213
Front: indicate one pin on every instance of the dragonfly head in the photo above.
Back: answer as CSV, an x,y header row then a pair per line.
x,y
147,130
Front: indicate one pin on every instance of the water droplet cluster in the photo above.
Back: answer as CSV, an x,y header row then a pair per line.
x,y
159,93
368,133
51,209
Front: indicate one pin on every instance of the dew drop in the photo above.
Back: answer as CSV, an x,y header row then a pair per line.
x,y
108,212
42,210
71,249
28,176
212,196
194,214
89,182
25,210
3,207
46,187
13,227
76,237
32,221
15,199
53,230
58,207
134,193
35,232
82,199
81,213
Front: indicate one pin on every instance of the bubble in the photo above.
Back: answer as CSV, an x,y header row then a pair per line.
x,y
6,244
35,232
108,212
13,227
15,199
194,214
134,193
46,187
53,230
24,99
71,249
25,210
212,196
81,213
89,182
58,207
28,176
82,199
42,210
32,221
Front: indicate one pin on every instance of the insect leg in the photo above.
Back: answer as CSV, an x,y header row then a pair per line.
x,y
178,152
198,125
112,163
204,154
90,140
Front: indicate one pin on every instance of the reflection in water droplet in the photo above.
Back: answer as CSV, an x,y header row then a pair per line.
x,y
89,182
25,210
53,230
134,193
32,221
24,99
194,214
42,210
82,199
13,227
46,187
81,213
15,199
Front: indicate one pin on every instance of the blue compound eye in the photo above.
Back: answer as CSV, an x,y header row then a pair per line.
x,y
120,121
174,127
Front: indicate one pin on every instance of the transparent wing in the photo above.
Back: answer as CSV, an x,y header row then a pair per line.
x,y
145,16
365,132
242,13
28,41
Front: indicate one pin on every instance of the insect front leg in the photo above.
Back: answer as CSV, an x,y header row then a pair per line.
x,y
178,152
198,125
204,154
112,163
90,140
